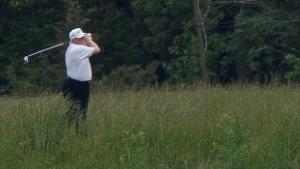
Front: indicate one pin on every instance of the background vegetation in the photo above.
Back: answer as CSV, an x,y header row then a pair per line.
x,y
163,44
150,42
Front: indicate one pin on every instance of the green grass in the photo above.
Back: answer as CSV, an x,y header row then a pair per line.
x,y
199,128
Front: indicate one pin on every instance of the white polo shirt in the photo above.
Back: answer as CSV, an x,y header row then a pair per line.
x,y
78,63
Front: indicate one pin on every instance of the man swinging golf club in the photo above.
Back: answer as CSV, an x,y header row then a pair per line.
x,y
79,74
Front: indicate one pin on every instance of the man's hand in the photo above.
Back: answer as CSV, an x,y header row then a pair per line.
x,y
89,36
91,43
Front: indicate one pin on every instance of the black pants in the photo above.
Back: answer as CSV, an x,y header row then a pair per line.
x,y
77,92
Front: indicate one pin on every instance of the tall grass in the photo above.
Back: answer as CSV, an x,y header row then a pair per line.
x,y
199,128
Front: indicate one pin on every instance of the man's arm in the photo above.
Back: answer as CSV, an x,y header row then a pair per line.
x,y
93,44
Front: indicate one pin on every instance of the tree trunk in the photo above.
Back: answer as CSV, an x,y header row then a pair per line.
x,y
202,38
241,66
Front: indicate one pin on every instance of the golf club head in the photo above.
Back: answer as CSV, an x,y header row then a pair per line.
x,y
26,60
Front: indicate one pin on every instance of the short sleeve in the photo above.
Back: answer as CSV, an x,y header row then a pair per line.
x,y
85,52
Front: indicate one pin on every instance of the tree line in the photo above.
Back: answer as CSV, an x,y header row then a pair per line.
x,y
150,42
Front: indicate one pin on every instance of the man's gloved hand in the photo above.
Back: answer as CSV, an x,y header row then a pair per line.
x,y
88,36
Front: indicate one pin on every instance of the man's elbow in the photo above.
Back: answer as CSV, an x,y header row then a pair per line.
x,y
96,50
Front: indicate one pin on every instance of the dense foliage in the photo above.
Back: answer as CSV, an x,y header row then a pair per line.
x,y
147,42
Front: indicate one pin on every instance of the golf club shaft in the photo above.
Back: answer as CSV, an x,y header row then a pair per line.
x,y
41,51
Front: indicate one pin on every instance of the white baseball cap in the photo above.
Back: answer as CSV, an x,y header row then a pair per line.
x,y
76,33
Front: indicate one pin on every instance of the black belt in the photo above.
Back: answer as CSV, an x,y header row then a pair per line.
x,y
77,81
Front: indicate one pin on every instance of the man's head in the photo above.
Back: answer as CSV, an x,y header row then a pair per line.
x,y
77,36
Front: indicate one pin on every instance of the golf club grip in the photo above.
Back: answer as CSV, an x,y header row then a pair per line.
x,y
41,51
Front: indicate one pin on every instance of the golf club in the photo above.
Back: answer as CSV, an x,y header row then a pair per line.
x,y
26,58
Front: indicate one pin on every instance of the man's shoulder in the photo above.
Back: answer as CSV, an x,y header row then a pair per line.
x,y
77,47
79,51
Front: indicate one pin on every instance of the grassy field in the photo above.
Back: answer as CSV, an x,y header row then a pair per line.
x,y
199,128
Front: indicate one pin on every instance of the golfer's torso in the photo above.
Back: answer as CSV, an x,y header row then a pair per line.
x,y
77,62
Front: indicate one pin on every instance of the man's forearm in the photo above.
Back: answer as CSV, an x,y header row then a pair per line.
x,y
92,44
95,46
